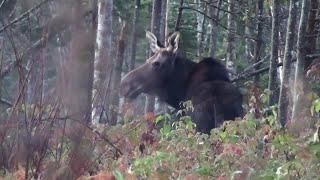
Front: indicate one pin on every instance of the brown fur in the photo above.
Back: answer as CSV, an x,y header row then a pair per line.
x,y
175,79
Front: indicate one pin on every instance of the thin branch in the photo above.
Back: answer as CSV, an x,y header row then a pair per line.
x,y
14,64
54,26
253,66
6,102
313,55
218,22
259,71
2,3
102,136
24,15
177,25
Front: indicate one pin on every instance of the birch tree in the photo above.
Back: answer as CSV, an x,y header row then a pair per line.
x,y
179,16
298,93
162,106
286,71
273,82
155,29
214,6
135,21
249,31
259,41
103,60
231,54
312,32
116,77
200,21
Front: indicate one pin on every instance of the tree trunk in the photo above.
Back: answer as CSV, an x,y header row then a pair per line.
x,y
259,40
1,66
79,64
178,21
133,45
166,27
231,47
273,81
155,29
214,13
200,21
116,77
163,23
286,71
311,32
299,79
134,34
162,106
249,32
103,61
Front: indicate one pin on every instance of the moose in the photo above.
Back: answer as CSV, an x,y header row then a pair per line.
x,y
174,79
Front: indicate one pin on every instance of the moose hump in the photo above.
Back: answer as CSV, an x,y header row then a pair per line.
x,y
175,79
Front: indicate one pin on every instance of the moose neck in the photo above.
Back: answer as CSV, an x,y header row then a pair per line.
x,y
176,85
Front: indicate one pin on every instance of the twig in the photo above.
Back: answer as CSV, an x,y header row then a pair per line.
x,y
103,137
262,70
24,15
6,102
178,21
52,24
246,70
2,3
313,55
224,27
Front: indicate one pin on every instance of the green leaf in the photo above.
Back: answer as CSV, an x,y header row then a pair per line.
x,y
315,108
118,175
204,170
162,155
233,139
165,130
160,118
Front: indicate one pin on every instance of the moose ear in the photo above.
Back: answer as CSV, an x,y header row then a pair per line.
x,y
173,42
153,41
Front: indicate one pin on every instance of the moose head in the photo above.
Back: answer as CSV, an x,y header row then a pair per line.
x,y
152,76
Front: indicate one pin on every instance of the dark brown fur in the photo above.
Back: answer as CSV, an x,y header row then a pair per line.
x,y
175,79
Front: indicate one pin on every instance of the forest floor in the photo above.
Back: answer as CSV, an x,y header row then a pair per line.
x,y
250,148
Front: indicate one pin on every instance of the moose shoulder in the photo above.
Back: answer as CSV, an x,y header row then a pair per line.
x,y
174,79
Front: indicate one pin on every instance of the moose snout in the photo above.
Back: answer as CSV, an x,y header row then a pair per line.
x,y
130,88
124,88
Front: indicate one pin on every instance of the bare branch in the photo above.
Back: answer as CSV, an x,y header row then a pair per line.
x,y
24,15
54,26
247,75
6,102
2,3
218,22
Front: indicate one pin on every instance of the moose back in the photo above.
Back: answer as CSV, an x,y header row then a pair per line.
x,y
175,79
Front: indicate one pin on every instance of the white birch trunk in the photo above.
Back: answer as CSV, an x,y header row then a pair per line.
x,y
103,60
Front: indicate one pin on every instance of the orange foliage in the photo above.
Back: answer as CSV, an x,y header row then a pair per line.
x,y
150,116
233,148
19,174
100,176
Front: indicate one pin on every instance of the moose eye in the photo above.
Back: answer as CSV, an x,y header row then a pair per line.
x,y
156,65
